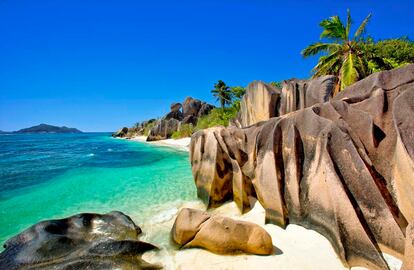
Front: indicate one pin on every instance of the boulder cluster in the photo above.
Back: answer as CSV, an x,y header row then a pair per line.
x,y
180,114
342,166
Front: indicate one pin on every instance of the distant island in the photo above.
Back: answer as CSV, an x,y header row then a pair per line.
x,y
44,128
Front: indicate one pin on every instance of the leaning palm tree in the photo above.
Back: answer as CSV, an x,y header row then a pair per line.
x,y
344,56
222,92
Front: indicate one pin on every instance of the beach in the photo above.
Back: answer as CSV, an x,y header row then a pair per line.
x,y
180,144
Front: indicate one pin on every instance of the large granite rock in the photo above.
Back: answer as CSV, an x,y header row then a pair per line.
x,y
344,168
258,104
299,94
83,241
195,228
262,101
120,133
163,129
191,106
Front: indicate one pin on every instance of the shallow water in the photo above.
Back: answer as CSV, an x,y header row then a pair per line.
x,y
45,176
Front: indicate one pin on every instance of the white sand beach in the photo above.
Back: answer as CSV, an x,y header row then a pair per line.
x,y
180,144
295,247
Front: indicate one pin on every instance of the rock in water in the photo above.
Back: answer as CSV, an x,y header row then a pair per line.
x,y
83,241
195,228
344,168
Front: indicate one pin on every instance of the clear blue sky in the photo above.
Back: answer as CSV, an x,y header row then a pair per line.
x,y
100,65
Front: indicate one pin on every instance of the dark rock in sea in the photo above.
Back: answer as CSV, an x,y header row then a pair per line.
x,y
195,228
44,128
120,133
83,241
344,168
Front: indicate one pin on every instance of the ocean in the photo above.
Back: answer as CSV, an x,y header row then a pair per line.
x,y
47,176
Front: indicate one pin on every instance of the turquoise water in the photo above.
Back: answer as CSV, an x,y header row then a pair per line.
x,y
44,176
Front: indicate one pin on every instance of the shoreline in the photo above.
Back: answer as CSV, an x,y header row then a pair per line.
x,y
182,144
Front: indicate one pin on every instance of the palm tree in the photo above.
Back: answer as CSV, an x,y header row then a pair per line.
x,y
222,92
344,56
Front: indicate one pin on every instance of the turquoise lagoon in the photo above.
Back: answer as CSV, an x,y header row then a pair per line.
x,y
45,176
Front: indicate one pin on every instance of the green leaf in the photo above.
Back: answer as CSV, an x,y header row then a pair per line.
x,y
349,73
361,28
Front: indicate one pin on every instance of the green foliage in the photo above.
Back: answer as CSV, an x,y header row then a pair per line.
x,y
276,84
238,91
343,56
390,53
185,130
217,117
237,94
222,92
148,127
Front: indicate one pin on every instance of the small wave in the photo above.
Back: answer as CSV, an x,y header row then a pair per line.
x,y
110,150
164,216
91,155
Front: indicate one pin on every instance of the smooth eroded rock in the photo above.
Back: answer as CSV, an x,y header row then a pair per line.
x,y
195,228
83,241
343,168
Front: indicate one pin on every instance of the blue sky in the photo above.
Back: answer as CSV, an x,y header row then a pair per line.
x,y
100,65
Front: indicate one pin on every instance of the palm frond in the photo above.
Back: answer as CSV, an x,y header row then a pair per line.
x,y
319,47
333,28
348,23
349,73
361,28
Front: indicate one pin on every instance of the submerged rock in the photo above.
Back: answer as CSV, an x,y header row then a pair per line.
x,y
195,228
344,168
83,241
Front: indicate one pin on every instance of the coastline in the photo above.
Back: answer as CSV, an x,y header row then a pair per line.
x,y
182,144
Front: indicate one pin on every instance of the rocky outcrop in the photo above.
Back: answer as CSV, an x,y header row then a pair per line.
x,y
258,104
83,241
121,132
343,168
187,113
262,101
195,228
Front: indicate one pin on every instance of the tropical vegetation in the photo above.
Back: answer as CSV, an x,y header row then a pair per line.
x,y
222,92
353,57
343,53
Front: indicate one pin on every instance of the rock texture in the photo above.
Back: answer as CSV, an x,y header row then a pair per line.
x,y
83,241
262,101
180,114
121,132
343,168
408,263
195,228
